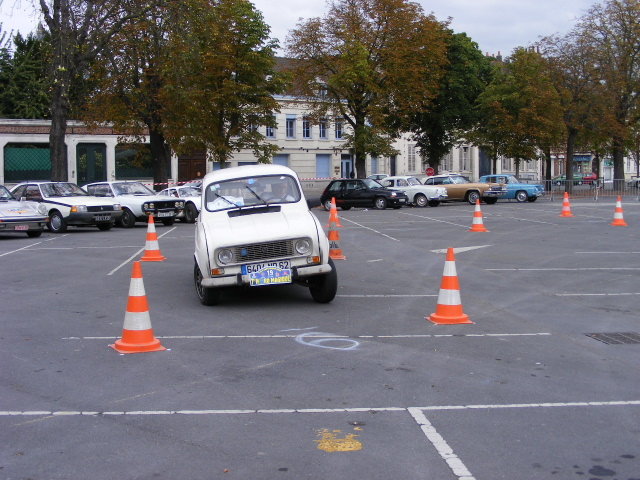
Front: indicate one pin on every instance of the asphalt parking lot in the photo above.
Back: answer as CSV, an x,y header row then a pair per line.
x,y
270,385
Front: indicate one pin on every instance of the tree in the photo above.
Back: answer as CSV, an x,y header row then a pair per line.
x,y
79,30
439,124
369,63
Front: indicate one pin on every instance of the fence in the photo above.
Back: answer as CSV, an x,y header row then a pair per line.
x,y
595,190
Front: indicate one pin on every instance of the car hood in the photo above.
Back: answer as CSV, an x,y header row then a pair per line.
x,y
82,200
14,208
224,230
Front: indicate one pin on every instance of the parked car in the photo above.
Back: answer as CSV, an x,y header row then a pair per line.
x,y
522,192
419,194
192,197
138,202
362,192
589,178
460,188
578,179
67,204
256,229
634,182
20,216
378,176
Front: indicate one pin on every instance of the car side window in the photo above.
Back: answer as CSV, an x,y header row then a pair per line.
x,y
32,192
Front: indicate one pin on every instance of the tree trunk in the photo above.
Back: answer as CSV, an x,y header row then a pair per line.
x,y
161,155
571,143
617,153
57,145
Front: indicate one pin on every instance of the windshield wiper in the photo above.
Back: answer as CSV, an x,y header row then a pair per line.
x,y
227,200
255,194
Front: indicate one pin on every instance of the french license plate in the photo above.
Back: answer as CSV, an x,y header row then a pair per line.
x,y
268,273
402,200
102,218
165,214
21,227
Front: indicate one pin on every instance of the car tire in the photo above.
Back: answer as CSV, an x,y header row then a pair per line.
x,y
521,196
434,203
103,227
490,200
167,222
128,219
190,213
323,288
379,203
420,200
35,234
207,296
473,196
327,205
532,199
56,223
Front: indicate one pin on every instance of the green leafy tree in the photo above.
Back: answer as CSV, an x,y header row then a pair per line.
x,y
369,63
441,123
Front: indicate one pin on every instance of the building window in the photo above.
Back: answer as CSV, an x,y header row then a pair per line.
x,y
291,126
447,162
323,165
411,158
323,130
374,164
506,164
306,128
339,126
271,132
464,158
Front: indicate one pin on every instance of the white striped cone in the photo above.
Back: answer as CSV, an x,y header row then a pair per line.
x,y
477,225
152,247
449,308
618,220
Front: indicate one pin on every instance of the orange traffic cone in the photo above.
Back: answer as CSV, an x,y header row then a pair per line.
x,y
333,214
449,309
478,225
618,221
335,252
137,335
566,207
152,248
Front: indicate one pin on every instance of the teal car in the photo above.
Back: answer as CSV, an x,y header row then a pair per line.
x,y
522,192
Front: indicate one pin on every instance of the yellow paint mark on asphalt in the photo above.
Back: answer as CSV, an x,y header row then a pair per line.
x,y
329,441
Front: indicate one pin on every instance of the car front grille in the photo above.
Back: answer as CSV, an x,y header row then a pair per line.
x,y
100,208
257,252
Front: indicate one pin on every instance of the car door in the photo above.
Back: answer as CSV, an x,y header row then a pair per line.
x,y
355,193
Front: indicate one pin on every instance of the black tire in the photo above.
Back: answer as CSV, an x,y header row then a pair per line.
x,y
207,296
490,200
434,203
379,203
128,219
323,288
56,223
167,222
34,234
103,227
345,208
327,205
521,196
473,196
532,199
420,200
190,213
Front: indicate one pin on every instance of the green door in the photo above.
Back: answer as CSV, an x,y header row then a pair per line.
x,y
91,162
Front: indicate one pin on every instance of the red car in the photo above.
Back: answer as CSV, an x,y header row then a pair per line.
x,y
589,177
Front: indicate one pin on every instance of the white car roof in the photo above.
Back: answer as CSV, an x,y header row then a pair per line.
x,y
246,171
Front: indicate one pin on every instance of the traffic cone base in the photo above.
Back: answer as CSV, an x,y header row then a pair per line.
x,y
449,308
152,248
137,334
618,220
478,224
335,252
566,207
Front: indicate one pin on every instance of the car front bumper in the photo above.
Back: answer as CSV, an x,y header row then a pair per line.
x,y
239,279
22,225
92,218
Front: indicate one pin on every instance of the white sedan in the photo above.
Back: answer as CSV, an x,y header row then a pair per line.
x,y
419,194
192,197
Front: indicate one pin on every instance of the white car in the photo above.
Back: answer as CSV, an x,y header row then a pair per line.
x,y
192,197
138,202
20,216
419,194
67,204
256,229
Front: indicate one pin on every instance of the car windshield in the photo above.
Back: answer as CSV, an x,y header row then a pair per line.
x,y
131,188
370,183
5,194
62,189
242,192
413,181
459,179
189,192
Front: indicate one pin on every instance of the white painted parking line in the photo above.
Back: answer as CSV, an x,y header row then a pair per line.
x,y
371,229
460,249
434,219
20,249
558,269
137,253
594,294
328,335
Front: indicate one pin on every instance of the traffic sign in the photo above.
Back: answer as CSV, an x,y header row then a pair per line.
x,y
430,171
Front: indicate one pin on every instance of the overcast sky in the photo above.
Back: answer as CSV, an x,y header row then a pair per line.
x,y
496,25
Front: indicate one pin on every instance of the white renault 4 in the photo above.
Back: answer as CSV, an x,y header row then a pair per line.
x,y
255,228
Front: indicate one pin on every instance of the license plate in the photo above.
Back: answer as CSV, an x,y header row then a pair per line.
x,y
21,227
268,273
102,218
402,200
165,214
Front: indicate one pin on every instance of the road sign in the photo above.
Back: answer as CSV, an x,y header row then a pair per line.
x,y
430,171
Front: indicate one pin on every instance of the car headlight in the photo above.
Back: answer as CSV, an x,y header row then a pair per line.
x,y
117,206
78,208
393,194
303,246
225,256
42,210
179,204
151,205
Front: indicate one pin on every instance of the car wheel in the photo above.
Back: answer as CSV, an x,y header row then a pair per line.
x,y
56,223
434,203
323,288
521,196
207,296
490,200
327,205
420,200
190,213
128,220
532,199
167,222
34,234
473,196
380,203
104,226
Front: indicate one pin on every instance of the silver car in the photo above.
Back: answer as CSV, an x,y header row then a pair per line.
x,y
19,216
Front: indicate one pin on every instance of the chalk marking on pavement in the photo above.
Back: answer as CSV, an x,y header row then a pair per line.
x,y
367,228
137,253
327,335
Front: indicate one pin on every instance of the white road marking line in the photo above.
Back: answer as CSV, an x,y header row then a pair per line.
x,y
593,294
460,250
367,228
435,219
19,249
137,253
558,269
327,335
